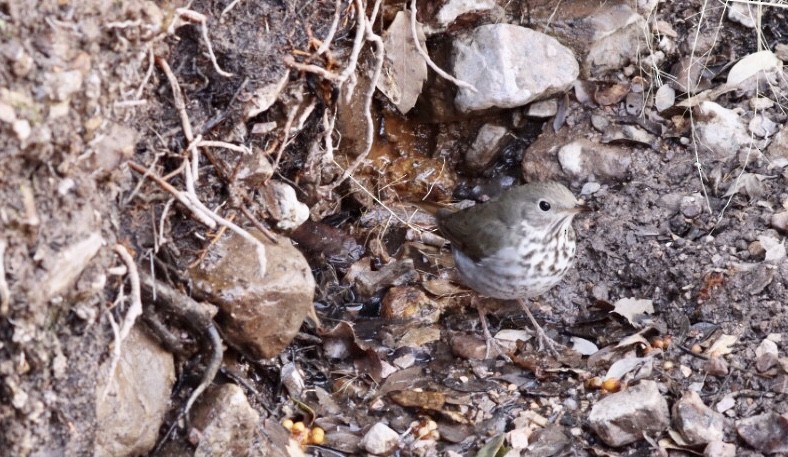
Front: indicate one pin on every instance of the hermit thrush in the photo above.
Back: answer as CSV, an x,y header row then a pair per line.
x,y
515,246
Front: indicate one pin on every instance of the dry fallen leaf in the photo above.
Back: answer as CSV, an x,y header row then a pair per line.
x,y
722,346
630,308
750,65
404,70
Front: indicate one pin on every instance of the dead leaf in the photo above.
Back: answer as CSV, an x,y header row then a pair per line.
x,y
419,399
583,346
404,70
632,308
722,346
775,249
748,184
750,65
621,367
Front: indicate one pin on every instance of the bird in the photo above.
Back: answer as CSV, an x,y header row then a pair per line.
x,y
515,246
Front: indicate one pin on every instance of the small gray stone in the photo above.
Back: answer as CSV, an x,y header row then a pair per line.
x,y
486,146
664,98
380,439
696,422
767,433
719,449
780,221
624,417
691,205
585,159
226,421
128,417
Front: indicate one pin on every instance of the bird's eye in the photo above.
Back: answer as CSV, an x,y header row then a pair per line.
x,y
544,205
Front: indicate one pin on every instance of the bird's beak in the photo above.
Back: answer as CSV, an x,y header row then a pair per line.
x,y
581,207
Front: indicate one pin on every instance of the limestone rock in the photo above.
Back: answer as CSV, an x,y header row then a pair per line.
x,y
226,423
259,312
623,417
696,422
131,412
510,66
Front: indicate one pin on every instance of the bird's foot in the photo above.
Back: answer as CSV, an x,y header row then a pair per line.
x,y
543,341
494,347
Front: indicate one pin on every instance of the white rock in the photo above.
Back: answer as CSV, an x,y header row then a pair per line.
x,y
616,32
741,13
453,9
380,439
623,417
292,212
543,109
664,98
720,130
510,66
696,422
486,146
585,159
762,126
719,449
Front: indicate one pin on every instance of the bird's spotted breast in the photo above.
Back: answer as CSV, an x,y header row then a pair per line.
x,y
526,270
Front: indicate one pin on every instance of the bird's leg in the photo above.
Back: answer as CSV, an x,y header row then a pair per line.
x,y
543,340
488,338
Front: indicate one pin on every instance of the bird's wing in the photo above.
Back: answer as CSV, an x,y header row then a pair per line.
x,y
477,231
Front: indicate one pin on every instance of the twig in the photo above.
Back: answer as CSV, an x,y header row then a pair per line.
x,y
288,125
358,41
183,197
5,293
196,316
203,20
426,56
148,74
134,311
332,30
164,212
229,7
263,229
309,68
259,246
177,99
222,144
370,132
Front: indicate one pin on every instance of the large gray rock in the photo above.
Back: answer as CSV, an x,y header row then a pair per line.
x,y
510,66
226,423
261,313
131,412
696,422
624,417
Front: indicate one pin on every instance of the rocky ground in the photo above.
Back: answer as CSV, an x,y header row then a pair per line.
x,y
214,238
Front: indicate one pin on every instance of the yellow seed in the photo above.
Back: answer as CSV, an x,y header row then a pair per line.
x,y
298,427
611,385
696,349
668,365
668,339
658,343
288,424
317,435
